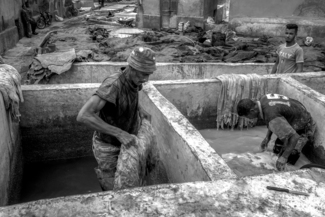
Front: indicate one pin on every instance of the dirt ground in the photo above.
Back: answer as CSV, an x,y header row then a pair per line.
x,y
194,45
96,35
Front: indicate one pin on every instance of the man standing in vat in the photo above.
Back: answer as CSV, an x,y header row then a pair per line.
x,y
115,114
287,118
290,55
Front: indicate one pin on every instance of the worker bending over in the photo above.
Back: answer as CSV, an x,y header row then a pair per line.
x,y
287,118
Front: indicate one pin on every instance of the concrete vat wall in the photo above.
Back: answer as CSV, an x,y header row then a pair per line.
x,y
188,157
48,124
258,17
315,104
229,196
50,131
149,15
197,99
10,158
315,81
263,8
9,14
226,197
97,72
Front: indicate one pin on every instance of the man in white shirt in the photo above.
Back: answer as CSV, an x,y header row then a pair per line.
x,y
290,55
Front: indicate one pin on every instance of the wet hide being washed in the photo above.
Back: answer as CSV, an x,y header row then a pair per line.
x,y
133,161
10,88
234,88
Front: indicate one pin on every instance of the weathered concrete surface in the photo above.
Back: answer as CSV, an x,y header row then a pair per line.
x,y
313,80
10,13
97,72
188,157
263,8
50,131
8,38
277,8
48,122
197,99
10,157
315,104
229,197
151,15
256,26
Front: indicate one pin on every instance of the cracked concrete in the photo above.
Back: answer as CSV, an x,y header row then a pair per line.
x,y
228,197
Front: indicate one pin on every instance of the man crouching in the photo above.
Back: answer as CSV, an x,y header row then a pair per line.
x,y
114,112
287,118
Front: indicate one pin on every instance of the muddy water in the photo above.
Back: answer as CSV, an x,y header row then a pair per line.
x,y
241,150
59,178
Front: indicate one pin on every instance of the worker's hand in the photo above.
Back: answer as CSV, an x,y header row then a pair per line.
x,y
281,163
264,144
127,139
144,115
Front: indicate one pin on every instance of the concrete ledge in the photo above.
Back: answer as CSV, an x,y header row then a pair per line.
x,y
8,38
229,197
151,21
10,158
93,72
315,103
48,123
190,157
276,26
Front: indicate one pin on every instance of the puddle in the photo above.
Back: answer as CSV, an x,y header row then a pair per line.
x,y
59,178
241,150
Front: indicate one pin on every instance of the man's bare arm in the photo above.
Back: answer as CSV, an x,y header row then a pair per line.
x,y
266,141
275,67
268,134
300,67
88,115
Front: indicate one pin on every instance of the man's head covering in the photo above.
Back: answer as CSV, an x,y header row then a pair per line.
x,y
143,59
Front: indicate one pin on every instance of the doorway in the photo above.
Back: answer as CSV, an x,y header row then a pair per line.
x,y
168,9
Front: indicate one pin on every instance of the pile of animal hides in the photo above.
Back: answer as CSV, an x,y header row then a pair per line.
x,y
44,65
234,88
10,88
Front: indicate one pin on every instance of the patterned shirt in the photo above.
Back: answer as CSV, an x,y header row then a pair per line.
x,y
288,58
122,107
276,105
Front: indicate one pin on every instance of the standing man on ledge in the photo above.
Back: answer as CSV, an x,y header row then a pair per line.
x,y
114,112
290,55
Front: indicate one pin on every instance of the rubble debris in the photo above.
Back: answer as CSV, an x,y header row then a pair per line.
x,y
84,56
44,65
58,19
110,42
126,21
98,33
210,21
308,41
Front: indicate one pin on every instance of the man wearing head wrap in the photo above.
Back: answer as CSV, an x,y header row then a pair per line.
x,y
114,112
